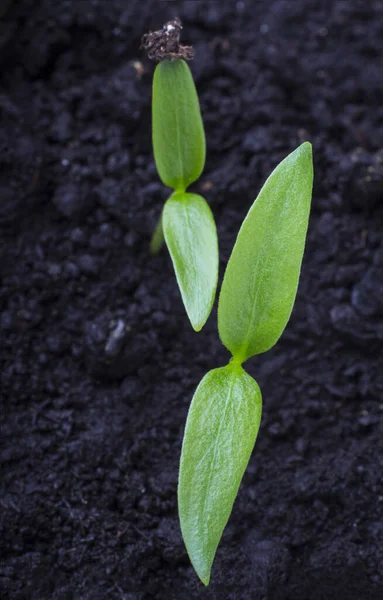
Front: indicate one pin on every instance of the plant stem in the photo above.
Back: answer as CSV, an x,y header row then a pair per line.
x,y
158,239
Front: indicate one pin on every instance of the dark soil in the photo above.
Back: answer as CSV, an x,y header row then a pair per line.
x,y
98,360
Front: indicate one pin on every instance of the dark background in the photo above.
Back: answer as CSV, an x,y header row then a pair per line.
x,y
92,421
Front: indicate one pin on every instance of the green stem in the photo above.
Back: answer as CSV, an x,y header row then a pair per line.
x,y
158,239
235,363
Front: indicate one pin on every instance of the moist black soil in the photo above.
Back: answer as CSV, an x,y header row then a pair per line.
x,y
98,360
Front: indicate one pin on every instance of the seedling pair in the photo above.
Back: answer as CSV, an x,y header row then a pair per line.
x,y
255,303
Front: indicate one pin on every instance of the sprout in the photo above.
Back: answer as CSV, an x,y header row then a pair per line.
x,y
256,299
187,223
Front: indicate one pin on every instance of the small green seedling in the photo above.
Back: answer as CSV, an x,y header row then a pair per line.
x,y
187,223
255,304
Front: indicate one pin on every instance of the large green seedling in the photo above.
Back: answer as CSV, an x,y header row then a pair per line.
x,y
187,223
255,304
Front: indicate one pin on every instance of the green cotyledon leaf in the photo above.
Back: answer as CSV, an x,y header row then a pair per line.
x,y
191,237
178,133
261,278
220,434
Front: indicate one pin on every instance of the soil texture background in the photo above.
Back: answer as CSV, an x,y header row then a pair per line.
x,y
98,360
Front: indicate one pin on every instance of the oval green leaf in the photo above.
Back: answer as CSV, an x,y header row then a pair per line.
x,y
220,434
261,278
178,134
191,237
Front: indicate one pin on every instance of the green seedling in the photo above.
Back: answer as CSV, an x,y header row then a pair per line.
x,y
256,299
255,304
186,224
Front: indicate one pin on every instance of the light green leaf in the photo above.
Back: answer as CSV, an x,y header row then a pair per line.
x,y
262,275
191,238
178,134
220,434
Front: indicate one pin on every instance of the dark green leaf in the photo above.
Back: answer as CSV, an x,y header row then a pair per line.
x,y
178,134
